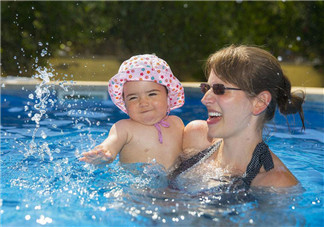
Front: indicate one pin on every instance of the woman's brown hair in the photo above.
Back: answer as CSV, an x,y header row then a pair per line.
x,y
255,70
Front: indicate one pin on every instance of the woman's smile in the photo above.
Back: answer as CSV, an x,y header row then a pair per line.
x,y
214,117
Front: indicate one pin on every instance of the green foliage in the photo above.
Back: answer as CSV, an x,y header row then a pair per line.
x,y
182,33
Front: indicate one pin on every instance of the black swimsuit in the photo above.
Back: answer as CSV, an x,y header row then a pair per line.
x,y
261,157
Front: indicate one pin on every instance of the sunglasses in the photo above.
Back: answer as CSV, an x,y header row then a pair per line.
x,y
218,89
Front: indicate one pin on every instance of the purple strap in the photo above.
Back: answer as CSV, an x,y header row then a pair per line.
x,y
164,124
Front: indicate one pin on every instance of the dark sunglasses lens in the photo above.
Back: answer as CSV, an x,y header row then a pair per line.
x,y
219,89
204,88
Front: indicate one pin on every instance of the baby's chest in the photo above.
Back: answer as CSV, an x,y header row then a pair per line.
x,y
153,138
143,153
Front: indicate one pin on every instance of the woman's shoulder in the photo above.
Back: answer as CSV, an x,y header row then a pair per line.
x,y
279,176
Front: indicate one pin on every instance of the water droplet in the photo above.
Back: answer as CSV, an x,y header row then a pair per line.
x,y
44,52
43,134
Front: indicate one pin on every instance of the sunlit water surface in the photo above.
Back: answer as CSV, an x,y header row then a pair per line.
x,y
43,183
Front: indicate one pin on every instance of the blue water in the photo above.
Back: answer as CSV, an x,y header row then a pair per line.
x,y
43,183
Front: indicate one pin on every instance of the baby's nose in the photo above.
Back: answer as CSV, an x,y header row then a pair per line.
x,y
143,102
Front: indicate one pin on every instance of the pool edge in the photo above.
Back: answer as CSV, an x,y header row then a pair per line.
x,y
312,93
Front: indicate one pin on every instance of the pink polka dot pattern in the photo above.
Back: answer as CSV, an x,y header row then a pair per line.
x,y
146,68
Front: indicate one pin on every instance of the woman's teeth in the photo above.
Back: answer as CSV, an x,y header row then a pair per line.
x,y
214,114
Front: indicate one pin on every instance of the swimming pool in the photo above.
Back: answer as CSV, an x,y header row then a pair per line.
x,y
44,128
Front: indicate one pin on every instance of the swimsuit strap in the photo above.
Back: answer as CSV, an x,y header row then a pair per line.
x,y
261,156
162,123
194,160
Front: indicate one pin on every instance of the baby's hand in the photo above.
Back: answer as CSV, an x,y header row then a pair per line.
x,y
98,155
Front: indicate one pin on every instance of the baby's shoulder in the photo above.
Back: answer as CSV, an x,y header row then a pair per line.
x,y
125,124
176,120
196,128
195,137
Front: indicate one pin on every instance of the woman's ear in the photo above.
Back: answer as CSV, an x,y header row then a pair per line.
x,y
261,102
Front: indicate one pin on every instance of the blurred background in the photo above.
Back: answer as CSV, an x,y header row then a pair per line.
x,y
88,40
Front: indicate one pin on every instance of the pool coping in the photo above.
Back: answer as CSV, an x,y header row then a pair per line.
x,y
312,93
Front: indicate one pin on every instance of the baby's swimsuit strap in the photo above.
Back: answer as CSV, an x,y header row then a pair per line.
x,y
261,157
164,124
194,160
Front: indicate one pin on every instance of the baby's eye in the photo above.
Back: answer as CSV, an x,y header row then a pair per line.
x,y
132,98
152,94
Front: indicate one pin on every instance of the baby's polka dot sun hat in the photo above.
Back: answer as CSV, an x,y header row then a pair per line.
x,y
146,68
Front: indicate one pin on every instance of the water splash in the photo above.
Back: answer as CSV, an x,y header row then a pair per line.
x,y
45,97
42,101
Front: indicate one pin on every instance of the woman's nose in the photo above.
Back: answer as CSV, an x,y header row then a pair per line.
x,y
208,98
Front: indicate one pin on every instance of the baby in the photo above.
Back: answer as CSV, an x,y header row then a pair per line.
x,y
146,90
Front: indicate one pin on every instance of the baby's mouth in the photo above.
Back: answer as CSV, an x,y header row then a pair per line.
x,y
145,111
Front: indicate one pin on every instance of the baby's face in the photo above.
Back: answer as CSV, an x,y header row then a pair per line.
x,y
146,102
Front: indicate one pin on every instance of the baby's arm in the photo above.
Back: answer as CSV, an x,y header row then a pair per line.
x,y
107,151
195,138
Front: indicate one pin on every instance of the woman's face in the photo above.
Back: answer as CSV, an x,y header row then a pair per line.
x,y
229,114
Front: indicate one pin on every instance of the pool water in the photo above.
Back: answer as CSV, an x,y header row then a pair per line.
x,y
43,183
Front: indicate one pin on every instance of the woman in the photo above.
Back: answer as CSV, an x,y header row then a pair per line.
x,y
245,85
